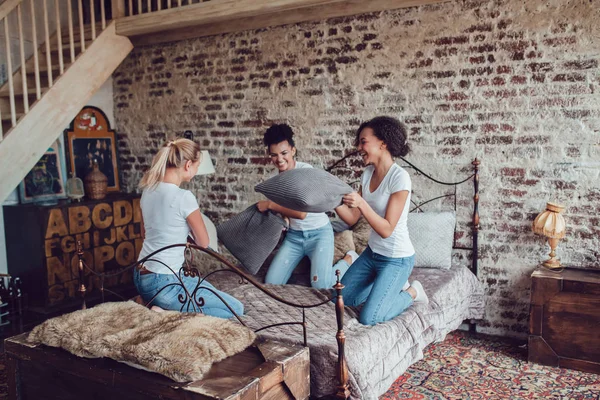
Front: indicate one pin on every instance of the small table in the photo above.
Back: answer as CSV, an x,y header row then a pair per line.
x,y
564,319
265,370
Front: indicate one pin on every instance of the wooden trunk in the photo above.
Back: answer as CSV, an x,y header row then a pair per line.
x,y
266,370
564,319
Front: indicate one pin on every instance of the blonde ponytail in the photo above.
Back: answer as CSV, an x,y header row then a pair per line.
x,y
173,154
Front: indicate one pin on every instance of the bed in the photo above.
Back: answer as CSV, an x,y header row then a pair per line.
x,y
376,356
347,359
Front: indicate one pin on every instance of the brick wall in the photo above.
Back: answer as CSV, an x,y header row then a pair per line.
x,y
514,83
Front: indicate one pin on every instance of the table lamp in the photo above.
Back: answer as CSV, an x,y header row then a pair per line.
x,y
206,166
551,224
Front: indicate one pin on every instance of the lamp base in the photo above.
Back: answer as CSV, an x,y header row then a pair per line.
x,y
552,263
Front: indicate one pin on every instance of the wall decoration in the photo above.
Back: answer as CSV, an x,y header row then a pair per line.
x,y
90,138
45,183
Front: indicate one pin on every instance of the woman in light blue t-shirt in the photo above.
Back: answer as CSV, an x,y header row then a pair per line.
x,y
169,215
379,278
309,234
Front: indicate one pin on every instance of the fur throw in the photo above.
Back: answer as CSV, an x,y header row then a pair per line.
x,y
181,346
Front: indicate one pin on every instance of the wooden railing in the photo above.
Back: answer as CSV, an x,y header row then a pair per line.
x,y
51,34
137,7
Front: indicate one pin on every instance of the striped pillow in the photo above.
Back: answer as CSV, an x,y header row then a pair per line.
x,y
305,189
251,236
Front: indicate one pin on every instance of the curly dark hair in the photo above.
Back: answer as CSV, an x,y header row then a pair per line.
x,y
278,133
391,131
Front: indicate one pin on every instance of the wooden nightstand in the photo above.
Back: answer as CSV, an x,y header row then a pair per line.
x,y
564,319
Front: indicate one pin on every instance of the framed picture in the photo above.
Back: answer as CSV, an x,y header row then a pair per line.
x,y
45,183
90,138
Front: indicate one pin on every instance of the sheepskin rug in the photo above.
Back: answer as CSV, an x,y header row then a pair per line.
x,y
181,346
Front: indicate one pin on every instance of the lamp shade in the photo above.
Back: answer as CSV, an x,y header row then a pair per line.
x,y
206,166
550,222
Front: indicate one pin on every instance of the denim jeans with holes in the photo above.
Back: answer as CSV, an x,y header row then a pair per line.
x,y
377,281
149,285
317,244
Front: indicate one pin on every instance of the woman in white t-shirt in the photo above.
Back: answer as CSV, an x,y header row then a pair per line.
x,y
169,215
310,234
379,278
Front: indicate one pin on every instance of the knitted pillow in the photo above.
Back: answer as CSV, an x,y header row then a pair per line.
x,y
432,236
305,189
251,236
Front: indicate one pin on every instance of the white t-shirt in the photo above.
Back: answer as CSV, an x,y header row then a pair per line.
x,y
312,220
164,210
397,179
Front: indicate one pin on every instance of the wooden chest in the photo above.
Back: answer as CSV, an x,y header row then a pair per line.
x,y
41,247
267,370
564,319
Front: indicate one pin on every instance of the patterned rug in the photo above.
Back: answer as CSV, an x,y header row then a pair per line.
x,y
465,367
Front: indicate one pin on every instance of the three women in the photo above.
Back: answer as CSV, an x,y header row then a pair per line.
x,y
378,278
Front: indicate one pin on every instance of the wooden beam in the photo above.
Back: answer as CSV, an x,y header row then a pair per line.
x,y
223,16
23,145
7,7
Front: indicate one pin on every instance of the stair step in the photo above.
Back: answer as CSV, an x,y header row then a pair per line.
x,y
19,91
66,46
7,117
44,68
87,31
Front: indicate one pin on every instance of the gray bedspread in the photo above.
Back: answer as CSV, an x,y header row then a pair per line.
x,y
376,355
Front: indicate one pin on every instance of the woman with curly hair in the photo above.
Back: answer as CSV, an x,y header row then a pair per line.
x,y
379,277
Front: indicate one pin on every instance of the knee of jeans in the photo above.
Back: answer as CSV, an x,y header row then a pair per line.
x,y
319,283
369,319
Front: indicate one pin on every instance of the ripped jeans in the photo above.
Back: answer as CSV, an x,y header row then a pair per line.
x,y
317,244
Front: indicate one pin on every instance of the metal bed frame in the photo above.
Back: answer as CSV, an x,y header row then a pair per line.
x,y
190,302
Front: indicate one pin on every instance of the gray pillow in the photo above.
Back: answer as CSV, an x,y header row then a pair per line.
x,y
251,236
305,189
432,236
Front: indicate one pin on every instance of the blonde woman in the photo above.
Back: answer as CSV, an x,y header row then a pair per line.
x,y
169,214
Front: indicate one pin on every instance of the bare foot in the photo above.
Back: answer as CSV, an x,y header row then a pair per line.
x,y
157,309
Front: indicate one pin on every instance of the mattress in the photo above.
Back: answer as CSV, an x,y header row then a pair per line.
x,y
376,355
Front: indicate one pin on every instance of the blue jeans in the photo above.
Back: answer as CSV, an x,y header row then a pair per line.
x,y
317,244
377,281
149,285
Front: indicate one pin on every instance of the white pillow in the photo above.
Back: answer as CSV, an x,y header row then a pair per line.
x,y
213,242
432,236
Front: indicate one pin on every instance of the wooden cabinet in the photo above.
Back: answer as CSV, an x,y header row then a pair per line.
x,y
41,246
564,319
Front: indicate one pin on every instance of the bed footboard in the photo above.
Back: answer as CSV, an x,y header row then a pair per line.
x,y
191,302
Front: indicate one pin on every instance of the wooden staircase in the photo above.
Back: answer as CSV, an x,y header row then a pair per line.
x,y
46,92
